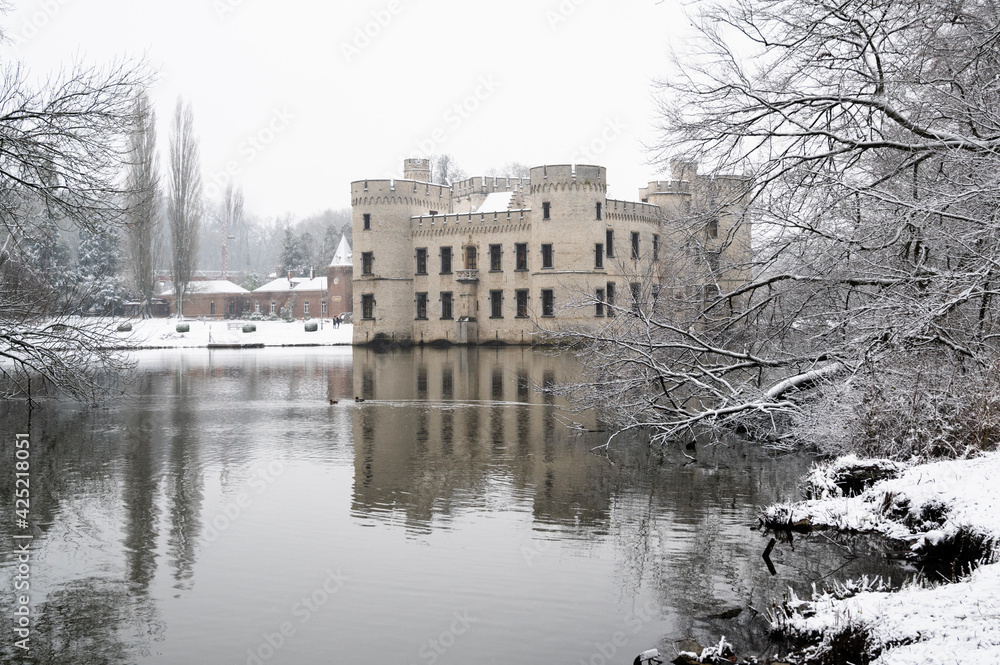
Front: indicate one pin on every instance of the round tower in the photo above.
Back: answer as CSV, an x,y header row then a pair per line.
x,y
417,169
568,219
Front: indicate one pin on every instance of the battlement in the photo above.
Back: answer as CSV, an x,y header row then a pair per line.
x,y
578,175
666,187
488,185
633,211
399,191
469,221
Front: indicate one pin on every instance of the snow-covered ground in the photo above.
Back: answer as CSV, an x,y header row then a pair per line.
x,y
925,505
162,333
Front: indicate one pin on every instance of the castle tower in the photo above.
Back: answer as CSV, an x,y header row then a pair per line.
x,y
417,169
338,279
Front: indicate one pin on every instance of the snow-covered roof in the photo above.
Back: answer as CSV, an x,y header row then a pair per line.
x,y
342,257
216,286
496,202
294,284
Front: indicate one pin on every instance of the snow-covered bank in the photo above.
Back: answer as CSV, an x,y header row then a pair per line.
x,y
162,333
926,506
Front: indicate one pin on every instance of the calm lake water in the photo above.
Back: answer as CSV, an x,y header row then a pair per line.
x,y
226,512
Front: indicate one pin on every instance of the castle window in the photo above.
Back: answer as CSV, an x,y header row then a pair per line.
x,y
367,221
367,263
598,210
635,245
211,308
368,306
547,255
546,210
656,247
446,305
599,303
421,301
521,256
609,243
599,255
713,229
610,299
422,261
470,258
636,296
548,302
446,260
305,307
496,304
495,254
521,303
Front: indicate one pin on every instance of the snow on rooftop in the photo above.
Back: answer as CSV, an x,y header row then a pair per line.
x,y
342,257
294,284
496,202
216,286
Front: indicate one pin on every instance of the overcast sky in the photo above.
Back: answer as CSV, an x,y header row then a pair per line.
x,y
298,98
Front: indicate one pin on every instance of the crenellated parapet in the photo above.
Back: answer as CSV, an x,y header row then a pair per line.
x,y
470,222
631,211
400,192
568,177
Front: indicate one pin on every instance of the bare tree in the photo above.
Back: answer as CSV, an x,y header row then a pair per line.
x,y
143,185
64,146
869,131
184,202
232,219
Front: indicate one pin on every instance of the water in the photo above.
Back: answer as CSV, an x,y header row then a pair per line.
x,y
226,512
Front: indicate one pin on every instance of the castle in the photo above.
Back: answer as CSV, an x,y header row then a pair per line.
x,y
493,259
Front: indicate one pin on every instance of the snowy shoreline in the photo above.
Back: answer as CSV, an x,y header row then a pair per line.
x,y
147,334
927,506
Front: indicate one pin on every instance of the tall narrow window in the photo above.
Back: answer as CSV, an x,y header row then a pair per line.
x,y
598,210
610,299
609,243
599,303
367,263
367,221
713,229
495,254
446,305
635,245
636,296
546,210
496,304
422,261
599,255
274,307
470,258
211,308
521,302
656,247
521,256
446,260
547,255
305,307
368,306
548,303
421,305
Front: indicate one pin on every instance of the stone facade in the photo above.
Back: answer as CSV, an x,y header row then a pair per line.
x,y
500,259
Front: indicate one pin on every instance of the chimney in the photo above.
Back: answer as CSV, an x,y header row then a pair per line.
x,y
312,273
290,275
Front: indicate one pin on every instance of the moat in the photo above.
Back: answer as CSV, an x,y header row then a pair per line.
x,y
226,511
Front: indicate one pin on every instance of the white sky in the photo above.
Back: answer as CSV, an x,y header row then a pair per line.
x,y
537,82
